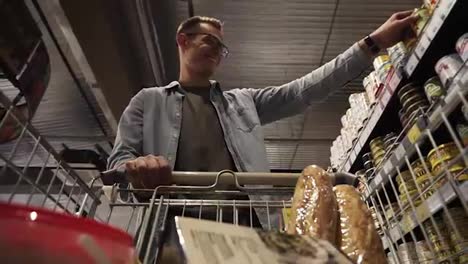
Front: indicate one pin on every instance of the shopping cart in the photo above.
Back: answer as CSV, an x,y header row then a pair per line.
x,y
220,197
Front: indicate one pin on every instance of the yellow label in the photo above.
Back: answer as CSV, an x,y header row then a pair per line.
x,y
414,133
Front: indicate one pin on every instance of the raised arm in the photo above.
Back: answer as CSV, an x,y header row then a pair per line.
x,y
292,98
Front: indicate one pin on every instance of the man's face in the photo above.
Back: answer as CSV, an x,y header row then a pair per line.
x,y
201,49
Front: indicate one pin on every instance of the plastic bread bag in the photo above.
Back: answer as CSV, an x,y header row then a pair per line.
x,y
357,236
314,207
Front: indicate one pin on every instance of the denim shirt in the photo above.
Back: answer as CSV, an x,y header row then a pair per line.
x,y
151,122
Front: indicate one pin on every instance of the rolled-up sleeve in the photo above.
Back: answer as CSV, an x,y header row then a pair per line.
x,y
276,102
129,139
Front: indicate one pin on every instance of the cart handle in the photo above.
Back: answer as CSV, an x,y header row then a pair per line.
x,y
119,175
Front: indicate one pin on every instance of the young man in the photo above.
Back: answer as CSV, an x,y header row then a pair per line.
x,y
192,125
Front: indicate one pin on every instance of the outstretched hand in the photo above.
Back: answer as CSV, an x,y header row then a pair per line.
x,y
395,29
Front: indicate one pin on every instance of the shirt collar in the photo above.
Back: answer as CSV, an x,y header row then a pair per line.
x,y
176,84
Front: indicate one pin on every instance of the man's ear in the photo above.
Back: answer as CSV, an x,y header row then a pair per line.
x,y
182,40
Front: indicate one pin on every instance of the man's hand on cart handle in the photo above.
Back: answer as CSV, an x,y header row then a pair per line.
x,y
148,172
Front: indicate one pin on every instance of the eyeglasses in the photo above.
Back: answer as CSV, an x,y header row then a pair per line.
x,y
213,40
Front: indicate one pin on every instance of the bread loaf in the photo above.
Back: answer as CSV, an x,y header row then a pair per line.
x,y
357,236
314,208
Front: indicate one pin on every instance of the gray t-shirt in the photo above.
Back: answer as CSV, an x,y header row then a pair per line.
x,y
201,143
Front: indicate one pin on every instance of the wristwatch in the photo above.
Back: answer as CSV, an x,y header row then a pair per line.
x,y
371,45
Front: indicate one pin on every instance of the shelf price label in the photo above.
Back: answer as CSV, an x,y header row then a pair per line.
x,y
394,81
423,44
411,64
387,167
414,133
400,152
422,212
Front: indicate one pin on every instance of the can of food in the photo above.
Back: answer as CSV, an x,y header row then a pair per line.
x,y
423,252
380,60
433,89
376,143
462,130
459,166
417,98
423,14
440,243
397,54
408,91
407,253
404,176
418,167
418,106
447,67
444,152
462,47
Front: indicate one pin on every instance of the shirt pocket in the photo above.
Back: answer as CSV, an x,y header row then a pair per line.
x,y
245,119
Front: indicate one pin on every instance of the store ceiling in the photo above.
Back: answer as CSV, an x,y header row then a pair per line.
x,y
274,42
271,42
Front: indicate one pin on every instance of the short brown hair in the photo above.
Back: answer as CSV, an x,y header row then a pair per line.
x,y
196,20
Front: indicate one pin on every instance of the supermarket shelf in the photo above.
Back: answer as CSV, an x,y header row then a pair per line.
x,y
383,101
414,135
428,208
426,53
430,31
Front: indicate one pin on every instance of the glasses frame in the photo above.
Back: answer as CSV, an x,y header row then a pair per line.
x,y
219,42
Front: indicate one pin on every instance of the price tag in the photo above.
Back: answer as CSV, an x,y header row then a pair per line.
x,y
406,223
411,64
394,81
353,156
444,8
400,152
414,133
422,46
385,98
362,138
387,167
422,212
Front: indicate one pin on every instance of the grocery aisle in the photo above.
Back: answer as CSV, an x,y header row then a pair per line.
x,y
406,138
403,140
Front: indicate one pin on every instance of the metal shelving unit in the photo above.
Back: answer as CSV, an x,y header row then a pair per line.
x,y
421,202
418,59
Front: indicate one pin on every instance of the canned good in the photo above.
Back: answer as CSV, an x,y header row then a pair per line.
x,y
407,90
441,244
419,106
423,252
397,54
423,14
452,169
444,152
433,89
379,61
430,5
418,167
462,47
404,176
447,67
417,98
462,130
407,253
